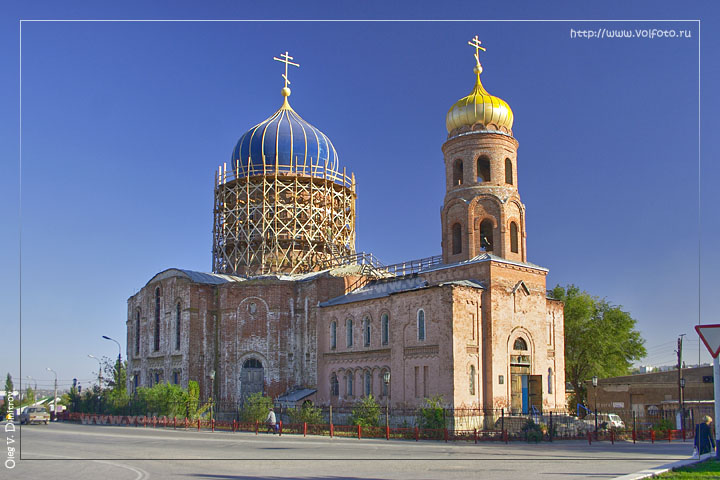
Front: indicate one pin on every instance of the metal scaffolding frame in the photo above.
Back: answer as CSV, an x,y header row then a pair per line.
x,y
288,219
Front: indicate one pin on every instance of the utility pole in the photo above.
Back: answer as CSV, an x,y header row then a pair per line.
x,y
681,402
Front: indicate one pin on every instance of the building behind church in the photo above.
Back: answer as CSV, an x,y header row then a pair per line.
x,y
290,304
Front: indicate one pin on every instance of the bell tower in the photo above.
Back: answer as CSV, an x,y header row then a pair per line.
x,y
482,211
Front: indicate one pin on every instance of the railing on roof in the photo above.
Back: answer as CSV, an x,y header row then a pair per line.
x,y
309,169
376,266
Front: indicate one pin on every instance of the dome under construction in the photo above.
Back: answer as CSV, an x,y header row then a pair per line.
x,y
283,205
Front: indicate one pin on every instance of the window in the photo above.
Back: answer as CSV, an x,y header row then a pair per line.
x,y
483,169
368,383
513,237
501,379
349,332
508,171
177,326
136,380
456,239
334,386
137,333
156,340
472,379
421,324
486,235
157,378
550,380
176,377
520,344
333,335
366,331
350,384
385,321
458,172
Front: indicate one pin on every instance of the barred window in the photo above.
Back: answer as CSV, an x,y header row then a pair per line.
x,y
385,321
421,324
333,335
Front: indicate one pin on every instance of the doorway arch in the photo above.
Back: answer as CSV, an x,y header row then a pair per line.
x,y
252,377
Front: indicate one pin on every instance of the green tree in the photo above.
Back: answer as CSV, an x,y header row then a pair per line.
x,y
255,408
366,413
29,396
8,392
432,413
114,373
600,339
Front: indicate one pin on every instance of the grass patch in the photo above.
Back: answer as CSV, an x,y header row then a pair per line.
x,y
706,469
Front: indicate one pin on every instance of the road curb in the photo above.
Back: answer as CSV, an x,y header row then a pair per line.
x,y
651,472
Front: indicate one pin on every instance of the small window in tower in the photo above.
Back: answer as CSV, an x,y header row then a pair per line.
x,y
349,332
520,344
472,379
333,335
458,172
486,235
483,169
513,237
385,329
421,324
456,239
508,171
550,380
366,331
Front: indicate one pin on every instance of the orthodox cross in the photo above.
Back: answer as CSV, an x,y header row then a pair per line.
x,y
475,42
286,60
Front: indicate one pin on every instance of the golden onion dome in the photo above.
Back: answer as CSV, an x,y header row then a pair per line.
x,y
480,111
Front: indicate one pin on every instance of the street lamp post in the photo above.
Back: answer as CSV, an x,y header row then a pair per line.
x,y
386,380
119,360
99,370
55,396
212,394
682,401
594,384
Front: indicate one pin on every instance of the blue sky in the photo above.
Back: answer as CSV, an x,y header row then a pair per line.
x,y
124,124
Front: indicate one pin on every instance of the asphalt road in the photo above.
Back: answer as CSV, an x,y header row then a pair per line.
x,y
72,451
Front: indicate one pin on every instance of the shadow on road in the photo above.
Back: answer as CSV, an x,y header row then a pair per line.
x,y
246,477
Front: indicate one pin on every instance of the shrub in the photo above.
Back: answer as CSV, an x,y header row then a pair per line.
x,y
255,408
306,414
533,431
663,425
366,413
432,413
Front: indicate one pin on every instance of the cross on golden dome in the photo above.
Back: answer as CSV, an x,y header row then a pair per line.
x,y
475,42
286,60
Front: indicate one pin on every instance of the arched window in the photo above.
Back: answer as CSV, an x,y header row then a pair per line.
x,y
550,380
137,333
421,324
334,386
513,237
508,171
483,169
349,332
177,326
156,340
486,235
472,379
458,172
456,239
368,383
366,331
350,384
385,321
333,335
520,344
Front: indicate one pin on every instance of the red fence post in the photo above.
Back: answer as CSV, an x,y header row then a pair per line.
x,y
257,427
198,424
612,437
669,435
212,424
652,436
359,431
332,430
145,421
475,434
417,434
445,434
186,423
175,423
505,436
634,435
304,429
589,435
280,423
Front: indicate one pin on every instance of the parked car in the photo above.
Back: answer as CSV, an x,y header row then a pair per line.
x,y
604,421
34,415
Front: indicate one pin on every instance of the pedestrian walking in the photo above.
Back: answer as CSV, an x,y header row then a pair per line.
x,y
271,421
704,441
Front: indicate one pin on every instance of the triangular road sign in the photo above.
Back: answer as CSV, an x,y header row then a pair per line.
x,y
710,335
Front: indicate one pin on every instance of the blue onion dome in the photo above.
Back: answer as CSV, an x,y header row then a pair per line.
x,y
285,143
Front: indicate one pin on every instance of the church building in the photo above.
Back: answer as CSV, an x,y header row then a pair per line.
x,y
291,306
